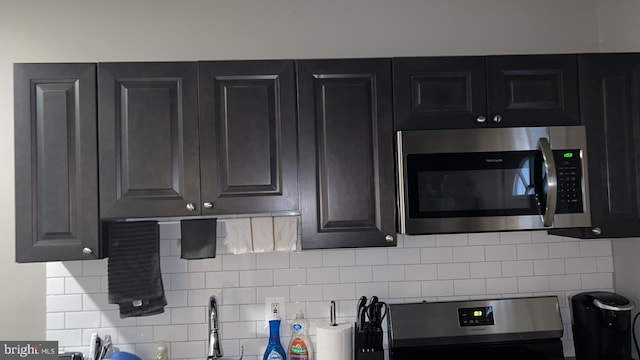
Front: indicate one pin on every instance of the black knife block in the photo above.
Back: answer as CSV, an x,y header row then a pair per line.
x,y
367,343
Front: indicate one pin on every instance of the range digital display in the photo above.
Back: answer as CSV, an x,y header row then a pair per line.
x,y
476,316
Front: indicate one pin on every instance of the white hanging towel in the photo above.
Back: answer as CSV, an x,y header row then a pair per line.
x,y
238,239
285,233
262,234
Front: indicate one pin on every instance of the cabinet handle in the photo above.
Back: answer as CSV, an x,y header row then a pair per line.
x,y
191,207
207,205
389,238
481,119
596,230
497,119
87,251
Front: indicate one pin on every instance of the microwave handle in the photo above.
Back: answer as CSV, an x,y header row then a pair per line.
x,y
552,181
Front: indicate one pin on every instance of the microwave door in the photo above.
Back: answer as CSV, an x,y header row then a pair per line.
x,y
546,182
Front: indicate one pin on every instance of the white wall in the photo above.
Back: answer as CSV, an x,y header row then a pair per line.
x,y
118,30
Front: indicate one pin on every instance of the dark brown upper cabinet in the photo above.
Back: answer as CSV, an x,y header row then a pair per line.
x,y
148,132
193,138
248,136
610,108
470,91
56,168
347,194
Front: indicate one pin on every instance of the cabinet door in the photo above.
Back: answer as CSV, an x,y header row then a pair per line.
x,y
346,153
248,143
148,129
532,90
439,93
56,162
610,106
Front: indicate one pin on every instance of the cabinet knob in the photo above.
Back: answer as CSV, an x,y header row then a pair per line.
x,y
191,207
87,251
596,230
389,238
481,119
207,205
497,119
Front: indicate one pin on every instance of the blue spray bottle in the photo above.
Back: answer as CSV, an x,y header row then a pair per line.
x,y
274,350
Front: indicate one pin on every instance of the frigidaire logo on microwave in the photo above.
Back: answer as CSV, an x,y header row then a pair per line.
x,y
493,160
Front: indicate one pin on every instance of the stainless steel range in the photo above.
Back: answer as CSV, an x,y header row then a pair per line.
x,y
497,329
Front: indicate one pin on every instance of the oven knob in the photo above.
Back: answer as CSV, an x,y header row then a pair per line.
x,y
481,119
596,230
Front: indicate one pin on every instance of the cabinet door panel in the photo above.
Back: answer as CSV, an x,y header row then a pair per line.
x,y
533,90
439,92
56,162
148,139
248,141
346,153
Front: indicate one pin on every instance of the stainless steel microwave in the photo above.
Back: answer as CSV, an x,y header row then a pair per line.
x,y
492,179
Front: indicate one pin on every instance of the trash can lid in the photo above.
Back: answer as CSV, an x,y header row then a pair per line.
x,y
611,301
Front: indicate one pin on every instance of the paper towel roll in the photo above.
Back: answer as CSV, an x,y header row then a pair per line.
x,y
333,342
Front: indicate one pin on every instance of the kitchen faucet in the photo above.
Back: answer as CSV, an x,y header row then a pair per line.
x,y
215,351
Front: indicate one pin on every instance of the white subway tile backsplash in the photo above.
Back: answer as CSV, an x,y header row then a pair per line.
x,y
339,291
484,239
549,267
57,303
303,259
379,289
187,281
188,350
420,272
564,250
405,289
468,254
419,241
452,240
469,287
533,284
66,337
501,252
272,260
290,277
82,319
327,275
55,321
533,251
55,286
503,285
423,267
352,274
437,288
388,272
135,334
256,278
436,255
515,237
375,256
595,248
338,257
404,256
234,296
453,271
597,281
517,268
565,282
487,269
82,285
581,265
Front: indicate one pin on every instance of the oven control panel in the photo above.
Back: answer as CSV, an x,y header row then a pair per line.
x,y
476,316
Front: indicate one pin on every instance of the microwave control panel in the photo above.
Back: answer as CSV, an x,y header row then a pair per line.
x,y
569,170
